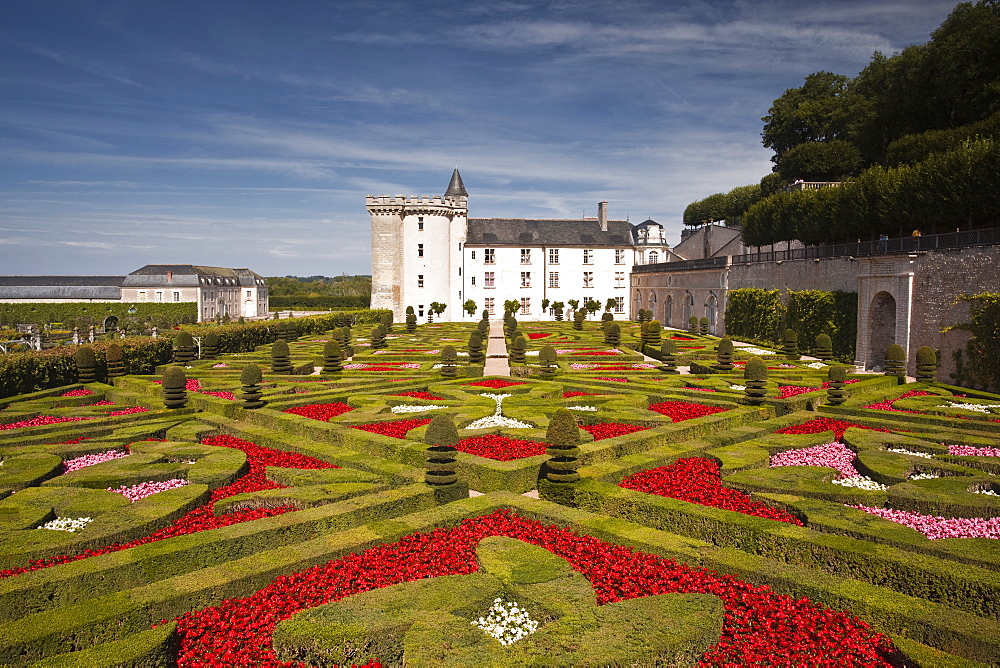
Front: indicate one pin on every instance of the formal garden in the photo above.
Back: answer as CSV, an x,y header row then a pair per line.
x,y
344,490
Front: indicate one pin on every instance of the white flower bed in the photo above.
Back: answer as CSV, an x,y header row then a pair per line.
x,y
531,352
750,350
816,365
738,388
860,482
581,408
413,408
904,451
498,419
925,476
506,622
988,492
70,524
978,408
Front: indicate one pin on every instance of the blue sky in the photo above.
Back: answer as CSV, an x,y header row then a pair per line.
x,y
247,133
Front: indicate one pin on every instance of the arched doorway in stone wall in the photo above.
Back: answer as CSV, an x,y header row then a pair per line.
x,y
638,302
652,304
881,328
668,311
688,309
711,312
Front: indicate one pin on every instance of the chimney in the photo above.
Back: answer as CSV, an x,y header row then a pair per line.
x,y
602,215
170,277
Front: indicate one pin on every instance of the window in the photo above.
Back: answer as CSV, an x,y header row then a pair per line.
x,y
420,280
588,256
588,279
142,295
525,279
248,294
459,271
473,280
489,256
619,279
525,305
619,256
420,225
420,250
488,279
489,305
619,304
473,255
553,256
654,257
459,246
525,256
553,279
420,310
159,295
177,296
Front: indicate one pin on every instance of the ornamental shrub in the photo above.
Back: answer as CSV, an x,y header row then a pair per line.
x,y
411,321
281,362
86,364
607,317
185,350
484,328
250,378
653,339
926,364
755,381
548,358
386,322
115,357
517,350
614,337
578,317
409,310
895,361
448,359
790,344
378,338
441,438
476,353
174,387
836,393
693,324
668,355
563,437
210,346
510,326
333,357
724,354
703,326
823,349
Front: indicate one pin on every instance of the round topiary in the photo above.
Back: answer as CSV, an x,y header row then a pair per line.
x,y
895,361
115,357
210,345
441,437
411,321
563,437
476,353
281,362
693,324
185,350
517,350
578,318
824,347
174,387
409,310
724,354
927,364
835,392
448,358
607,317
790,344
703,326
333,357
548,357
668,355
86,364
755,381
250,378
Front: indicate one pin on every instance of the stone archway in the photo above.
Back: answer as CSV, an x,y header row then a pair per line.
x,y
711,311
688,309
881,328
668,311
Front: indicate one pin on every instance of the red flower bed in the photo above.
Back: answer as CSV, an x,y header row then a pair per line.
x,y
420,395
495,383
204,517
537,335
888,404
570,395
681,338
611,429
394,428
77,393
599,353
322,412
700,389
817,425
786,391
41,421
697,480
678,411
760,627
500,448
613,380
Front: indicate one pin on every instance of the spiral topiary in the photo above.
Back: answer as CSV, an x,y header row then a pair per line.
x,y
548,358
377,338
703,326
824,347
281,361
441,438
411,321
693,324
835,392
210,346
668,355
614,337
895,361
653,338
386,322
790,344
563,437
578,318
476,354
115,357
755,381
86,364
724,354
185,350
333,357
927,364
484,328
250,378
174,387
448,359
345,341
518,349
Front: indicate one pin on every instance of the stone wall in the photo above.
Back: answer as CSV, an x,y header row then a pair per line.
x,y
838,273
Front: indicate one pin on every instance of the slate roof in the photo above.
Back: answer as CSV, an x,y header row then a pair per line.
x,y
187,275
61,287
61,280
548,232
456,188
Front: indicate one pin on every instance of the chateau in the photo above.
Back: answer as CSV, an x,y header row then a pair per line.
x,y
428,249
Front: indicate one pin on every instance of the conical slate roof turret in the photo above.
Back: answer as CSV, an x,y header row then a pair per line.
x,y
456,188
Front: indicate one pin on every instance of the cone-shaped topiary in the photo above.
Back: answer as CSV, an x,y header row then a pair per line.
x,y
448,358
441,438
755,381
210,345
548,358
668,355
281,362
518,349
378,338
643,334
693,324
115,357
824,347
409,310
606,328
790,344
345,343
411,322
184,349
895,361
486,315
703,326
484,328
476,353
86,364
926,364
174,387
835,392
724,354
333,357
250,378
510,326
563,437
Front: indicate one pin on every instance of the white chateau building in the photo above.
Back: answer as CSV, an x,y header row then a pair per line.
x,y
427,249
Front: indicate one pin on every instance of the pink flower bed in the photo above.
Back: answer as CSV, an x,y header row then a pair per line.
x,y
129,411
40,421
105,402
831,455
936,528
144,489
613,380
969,451
89,460
77,393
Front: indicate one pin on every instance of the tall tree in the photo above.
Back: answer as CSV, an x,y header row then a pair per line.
x,y
813,112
